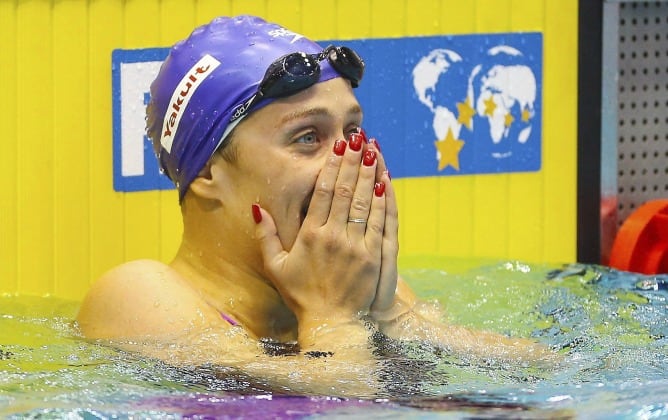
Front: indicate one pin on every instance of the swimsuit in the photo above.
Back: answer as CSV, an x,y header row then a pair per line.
x,y
230,320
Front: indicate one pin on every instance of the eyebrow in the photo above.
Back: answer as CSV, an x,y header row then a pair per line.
x,y
355,109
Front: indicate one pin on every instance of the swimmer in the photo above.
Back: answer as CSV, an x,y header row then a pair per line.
x,y
290,228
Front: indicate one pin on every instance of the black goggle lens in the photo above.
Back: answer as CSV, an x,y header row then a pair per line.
x,y
347,63
297,71
288,75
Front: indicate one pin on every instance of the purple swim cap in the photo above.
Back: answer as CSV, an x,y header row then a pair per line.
x,y
204,79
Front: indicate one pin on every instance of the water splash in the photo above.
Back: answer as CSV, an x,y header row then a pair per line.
x,y
610,327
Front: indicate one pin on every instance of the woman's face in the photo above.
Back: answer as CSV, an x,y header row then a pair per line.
x,y
281,149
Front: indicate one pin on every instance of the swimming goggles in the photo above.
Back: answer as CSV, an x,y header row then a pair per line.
x,y
297,71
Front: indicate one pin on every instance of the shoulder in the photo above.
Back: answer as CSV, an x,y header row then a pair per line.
x,y
142,299
134,276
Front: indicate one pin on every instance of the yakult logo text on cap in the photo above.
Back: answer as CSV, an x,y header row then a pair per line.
x,y
182,94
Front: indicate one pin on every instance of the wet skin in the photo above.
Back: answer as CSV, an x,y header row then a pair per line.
x,y
286,164
267,241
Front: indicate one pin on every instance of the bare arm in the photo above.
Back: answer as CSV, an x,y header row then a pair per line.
x,y
328,278
405,317
413,319
145,307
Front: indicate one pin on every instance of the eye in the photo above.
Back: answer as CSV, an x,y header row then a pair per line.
x,y
352,129
308,138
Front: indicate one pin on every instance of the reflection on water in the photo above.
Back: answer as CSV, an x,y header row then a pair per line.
x,y
610,327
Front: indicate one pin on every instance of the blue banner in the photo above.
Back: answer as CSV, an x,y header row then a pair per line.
x,y
135,165
440,105
448,105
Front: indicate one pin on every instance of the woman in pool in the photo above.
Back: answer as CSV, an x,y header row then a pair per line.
x,y
289,216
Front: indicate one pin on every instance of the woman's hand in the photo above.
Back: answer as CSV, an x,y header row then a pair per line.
x,y
331,275
386,293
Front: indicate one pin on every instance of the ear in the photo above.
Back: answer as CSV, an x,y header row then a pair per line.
x,y
211,180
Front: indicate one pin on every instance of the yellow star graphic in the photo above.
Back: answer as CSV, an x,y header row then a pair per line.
x,y
448,149
465,113
526,115
490,106
508,120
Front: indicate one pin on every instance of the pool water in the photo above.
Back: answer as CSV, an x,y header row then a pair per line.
x,y
611,328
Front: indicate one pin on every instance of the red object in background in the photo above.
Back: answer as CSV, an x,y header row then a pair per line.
x,y
608,226
641,244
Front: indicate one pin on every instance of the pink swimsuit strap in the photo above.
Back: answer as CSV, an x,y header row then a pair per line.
x,y
228,319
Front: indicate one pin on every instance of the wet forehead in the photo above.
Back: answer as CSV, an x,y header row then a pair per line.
x,y
353,110
333,98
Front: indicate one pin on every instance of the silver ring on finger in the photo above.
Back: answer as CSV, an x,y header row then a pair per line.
x,y
356,220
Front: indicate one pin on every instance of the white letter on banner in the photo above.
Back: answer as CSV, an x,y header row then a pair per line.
x,y
135,81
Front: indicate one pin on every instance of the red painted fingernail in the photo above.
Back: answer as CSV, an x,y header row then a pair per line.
x,y
375,144
355,141
369,158
257,215
361,131
379,189
339,147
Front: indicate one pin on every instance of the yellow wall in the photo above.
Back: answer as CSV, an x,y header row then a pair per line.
x,y
62,225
